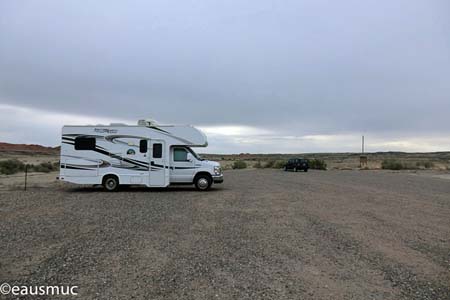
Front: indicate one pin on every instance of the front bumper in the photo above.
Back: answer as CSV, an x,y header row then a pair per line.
x,y
218,178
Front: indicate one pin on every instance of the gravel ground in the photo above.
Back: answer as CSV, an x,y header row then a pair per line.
x,y
263,234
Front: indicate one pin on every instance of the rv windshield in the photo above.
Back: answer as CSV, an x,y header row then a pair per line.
x,y
195,154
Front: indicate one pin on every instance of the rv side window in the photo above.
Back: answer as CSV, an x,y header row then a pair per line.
x,y
157,150
143,146
179,154
84,143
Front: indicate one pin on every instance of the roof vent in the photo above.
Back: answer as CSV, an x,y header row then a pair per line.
x,y
147,122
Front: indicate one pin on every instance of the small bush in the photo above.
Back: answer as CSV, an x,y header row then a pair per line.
x,y
44,167
226,167
317,164
428,165
269,164
425,164
392,164
239,164
279,164
11,166
258,165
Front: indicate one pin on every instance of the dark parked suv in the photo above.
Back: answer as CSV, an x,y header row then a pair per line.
x,y
297,164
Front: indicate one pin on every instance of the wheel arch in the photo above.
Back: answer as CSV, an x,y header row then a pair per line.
x,y
107,175
202,173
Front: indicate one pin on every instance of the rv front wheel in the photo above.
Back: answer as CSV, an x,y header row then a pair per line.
x,y
111,183
203,182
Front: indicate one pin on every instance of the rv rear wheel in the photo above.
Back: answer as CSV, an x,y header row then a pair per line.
x,y
203,182
111,183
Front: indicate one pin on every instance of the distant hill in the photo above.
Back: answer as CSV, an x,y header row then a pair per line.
x,y
27,148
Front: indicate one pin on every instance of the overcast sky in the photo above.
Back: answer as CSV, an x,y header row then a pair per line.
x,y
257,76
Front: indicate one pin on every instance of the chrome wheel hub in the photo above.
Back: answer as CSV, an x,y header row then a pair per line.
x,y
203,183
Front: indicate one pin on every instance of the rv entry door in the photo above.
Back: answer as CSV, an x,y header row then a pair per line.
x,y
158,166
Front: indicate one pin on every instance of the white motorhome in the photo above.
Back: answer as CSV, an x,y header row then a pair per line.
x,y
147,154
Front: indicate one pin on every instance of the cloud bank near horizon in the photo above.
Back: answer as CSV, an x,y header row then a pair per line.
x,y
43,127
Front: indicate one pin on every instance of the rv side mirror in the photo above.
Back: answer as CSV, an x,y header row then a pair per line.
x,y
190,157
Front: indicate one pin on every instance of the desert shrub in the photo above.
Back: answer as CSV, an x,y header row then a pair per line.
x,y
425,164
317,164
258,165
226,167
392,164
269,163
44,167
278,164
11,166
239,164
428,165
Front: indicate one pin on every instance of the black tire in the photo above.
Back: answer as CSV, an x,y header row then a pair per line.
x,y
295,169
306,170
203,182
285,168
111,183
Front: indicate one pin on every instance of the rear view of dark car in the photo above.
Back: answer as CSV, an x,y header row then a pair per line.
x,y
297,164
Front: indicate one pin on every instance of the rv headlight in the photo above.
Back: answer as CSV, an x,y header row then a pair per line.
x,y
217,170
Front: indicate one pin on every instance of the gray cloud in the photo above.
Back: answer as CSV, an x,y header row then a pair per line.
x,y
296,67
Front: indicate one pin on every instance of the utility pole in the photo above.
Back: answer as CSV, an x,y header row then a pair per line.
x,y
362,158
363,145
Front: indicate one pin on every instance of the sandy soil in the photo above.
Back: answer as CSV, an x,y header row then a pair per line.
x,y
263,234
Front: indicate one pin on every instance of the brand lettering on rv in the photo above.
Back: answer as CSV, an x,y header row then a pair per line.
x,y
105,130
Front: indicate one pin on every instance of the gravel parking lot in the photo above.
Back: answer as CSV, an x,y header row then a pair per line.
x,y
263,234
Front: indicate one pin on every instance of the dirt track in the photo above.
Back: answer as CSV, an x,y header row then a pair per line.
x,y
263,234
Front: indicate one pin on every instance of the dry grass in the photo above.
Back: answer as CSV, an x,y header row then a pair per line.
x,y
338,161
343,161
